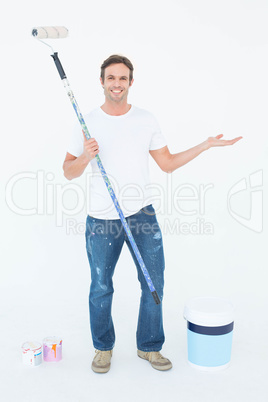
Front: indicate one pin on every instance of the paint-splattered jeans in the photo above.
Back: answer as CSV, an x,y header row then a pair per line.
x,y
104,241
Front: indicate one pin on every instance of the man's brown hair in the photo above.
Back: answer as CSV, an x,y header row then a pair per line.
x,y
116,59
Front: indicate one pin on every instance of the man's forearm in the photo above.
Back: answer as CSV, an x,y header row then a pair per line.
x,y
181,158
74,168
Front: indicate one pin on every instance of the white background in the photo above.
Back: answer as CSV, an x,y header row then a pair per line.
x,y
201,68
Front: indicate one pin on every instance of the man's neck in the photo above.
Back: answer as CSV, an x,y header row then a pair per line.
x,y
115,109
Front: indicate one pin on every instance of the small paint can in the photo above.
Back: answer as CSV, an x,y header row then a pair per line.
x,y
210,323
32,353
52,349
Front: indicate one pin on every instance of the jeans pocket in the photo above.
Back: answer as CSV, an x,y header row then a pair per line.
x,y
148,210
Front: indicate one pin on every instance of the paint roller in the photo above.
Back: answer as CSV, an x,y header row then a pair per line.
x,y
50,32
59,32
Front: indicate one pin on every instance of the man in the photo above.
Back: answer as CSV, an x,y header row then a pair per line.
x,y
125,135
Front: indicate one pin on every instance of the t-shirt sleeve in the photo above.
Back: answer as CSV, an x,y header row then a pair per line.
x,y
76,143
157,140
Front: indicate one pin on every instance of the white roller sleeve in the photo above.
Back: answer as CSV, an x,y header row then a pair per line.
x,y
49,32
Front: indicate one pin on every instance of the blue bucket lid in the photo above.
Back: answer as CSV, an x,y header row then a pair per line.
x,y
209,311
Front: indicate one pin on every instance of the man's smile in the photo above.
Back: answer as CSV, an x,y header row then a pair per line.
x,y
116,91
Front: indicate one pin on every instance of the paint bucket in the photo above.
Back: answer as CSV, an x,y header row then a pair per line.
x,y
52,349
32,353
210,322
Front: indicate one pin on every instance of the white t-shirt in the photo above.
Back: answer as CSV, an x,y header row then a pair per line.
x,y
124,145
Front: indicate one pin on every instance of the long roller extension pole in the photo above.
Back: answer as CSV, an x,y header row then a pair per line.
x,y
62,32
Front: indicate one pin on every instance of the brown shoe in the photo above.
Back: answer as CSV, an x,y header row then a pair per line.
x,y
157,361
102,361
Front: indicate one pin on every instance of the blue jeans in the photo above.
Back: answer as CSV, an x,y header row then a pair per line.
x,y
104,242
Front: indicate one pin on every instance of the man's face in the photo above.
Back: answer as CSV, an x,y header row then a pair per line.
x,y
116,82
